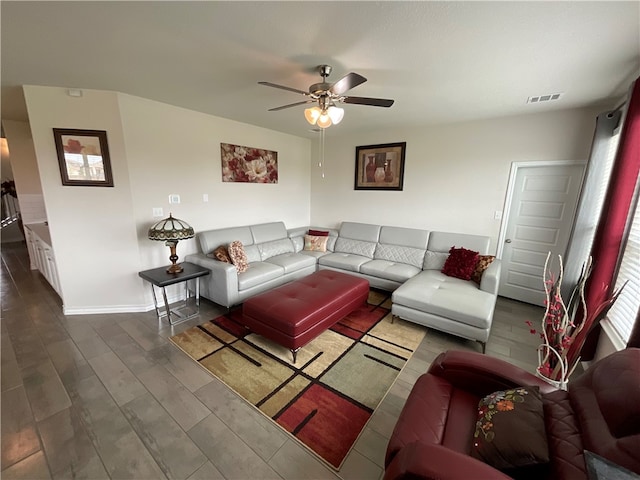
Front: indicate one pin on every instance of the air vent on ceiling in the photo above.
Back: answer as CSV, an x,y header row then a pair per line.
x,y
544,98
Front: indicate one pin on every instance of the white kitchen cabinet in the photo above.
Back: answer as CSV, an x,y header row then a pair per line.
x,y
41,252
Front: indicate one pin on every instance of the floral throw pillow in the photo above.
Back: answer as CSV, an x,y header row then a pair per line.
x,y
510,431
238,256
315,243
481,265
460,263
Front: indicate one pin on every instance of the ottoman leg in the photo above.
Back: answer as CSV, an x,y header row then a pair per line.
x,y
294,353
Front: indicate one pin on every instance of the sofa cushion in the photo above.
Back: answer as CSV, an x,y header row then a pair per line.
x,y
400,254
355,247
267,232
460,263
563,437
298,243
510,429
399,272
292,262
435,293
211,239
406,237
253,253
259,273
238,256
434,260
275,247
360,231
343,261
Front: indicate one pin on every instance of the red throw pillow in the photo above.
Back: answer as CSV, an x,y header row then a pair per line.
x,y
460,263
318,233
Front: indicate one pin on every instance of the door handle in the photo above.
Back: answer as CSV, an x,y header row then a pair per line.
x,y
508,240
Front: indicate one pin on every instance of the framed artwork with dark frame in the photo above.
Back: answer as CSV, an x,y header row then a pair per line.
x,y
380,167
83,156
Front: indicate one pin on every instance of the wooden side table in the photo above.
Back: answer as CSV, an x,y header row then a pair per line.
x,y
158,277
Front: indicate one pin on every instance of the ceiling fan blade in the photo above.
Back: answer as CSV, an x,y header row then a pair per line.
x,y
282,87
349,81
291,105
374,102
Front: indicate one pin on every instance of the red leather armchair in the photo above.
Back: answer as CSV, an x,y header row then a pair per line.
x,y
600,412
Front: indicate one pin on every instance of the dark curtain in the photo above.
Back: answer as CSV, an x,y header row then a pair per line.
x,y
612,226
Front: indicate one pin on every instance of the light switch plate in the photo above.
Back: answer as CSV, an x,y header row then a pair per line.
x,y
157,212
174,198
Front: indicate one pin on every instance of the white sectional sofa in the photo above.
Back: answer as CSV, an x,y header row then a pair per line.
x,y
405,261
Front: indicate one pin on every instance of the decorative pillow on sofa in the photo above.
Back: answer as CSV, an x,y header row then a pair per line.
x,y
319,233
221,253
238,256
481,265
460,263
314,243
510,431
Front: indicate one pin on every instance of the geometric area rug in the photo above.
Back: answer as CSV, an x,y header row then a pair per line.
x,y
337,382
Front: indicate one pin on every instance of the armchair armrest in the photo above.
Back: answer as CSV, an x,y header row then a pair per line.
x,y
491,277
482,374
435,462
222,285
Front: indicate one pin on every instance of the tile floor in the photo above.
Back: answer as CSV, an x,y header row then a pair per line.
x,y
107,396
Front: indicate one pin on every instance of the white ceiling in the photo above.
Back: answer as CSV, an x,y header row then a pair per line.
x,y
441,61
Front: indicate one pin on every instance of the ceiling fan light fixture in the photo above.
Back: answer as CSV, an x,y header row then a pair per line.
x,y
324,120
336,114
312,114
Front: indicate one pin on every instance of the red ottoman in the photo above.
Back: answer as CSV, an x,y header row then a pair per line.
x,y
294,314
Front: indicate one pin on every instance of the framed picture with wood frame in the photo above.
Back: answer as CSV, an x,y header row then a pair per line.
x,y
83,156
380,167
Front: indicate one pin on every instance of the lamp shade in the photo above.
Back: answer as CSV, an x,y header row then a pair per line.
x,y
336,114
312,114
324,120
171,229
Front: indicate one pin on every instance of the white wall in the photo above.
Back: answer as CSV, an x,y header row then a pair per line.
x,y
99,234
173,150
92,228
455,175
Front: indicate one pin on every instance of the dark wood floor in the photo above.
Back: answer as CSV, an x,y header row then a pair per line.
x,y
107,396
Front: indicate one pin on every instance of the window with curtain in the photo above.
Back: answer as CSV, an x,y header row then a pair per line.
x,y
624,311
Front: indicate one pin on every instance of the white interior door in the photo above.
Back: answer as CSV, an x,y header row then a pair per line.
x,y
541,205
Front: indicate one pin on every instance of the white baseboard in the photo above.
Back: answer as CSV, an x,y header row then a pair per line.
x,y
106,309
94,310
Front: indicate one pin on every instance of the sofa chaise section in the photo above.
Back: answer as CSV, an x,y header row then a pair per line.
x,y
452,305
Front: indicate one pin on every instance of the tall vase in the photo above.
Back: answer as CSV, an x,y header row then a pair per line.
x,y
388,172
379,175
370,170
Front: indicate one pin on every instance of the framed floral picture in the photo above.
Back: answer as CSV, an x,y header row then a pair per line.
x,y
83,157
380,167
248,164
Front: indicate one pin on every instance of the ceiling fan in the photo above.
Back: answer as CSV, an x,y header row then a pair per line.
x,y
326,95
